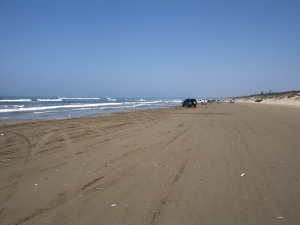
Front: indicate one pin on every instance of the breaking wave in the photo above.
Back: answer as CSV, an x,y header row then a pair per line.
x,y
15,100
65,98
57,107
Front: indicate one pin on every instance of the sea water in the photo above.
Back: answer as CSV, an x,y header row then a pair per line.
x,y
28,108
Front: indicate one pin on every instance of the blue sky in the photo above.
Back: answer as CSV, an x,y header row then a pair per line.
x,y
141,48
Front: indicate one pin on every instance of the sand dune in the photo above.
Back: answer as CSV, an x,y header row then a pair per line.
x,y
284,101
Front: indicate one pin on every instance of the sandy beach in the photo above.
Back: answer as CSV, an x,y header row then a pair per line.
x,y
215,164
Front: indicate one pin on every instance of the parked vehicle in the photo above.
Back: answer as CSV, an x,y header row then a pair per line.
x,y
189,103
258,100
202,101
231,101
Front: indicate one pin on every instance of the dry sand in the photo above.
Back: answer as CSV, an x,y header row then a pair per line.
x,y
215,164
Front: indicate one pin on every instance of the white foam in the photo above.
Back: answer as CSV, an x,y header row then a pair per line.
x,y
152,102
42,112
49,100
15,100
111,99
57,107
173,101
79,98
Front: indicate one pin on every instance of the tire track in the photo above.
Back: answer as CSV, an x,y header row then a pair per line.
x,y
91,183
77,190
164,201
18,175
61,198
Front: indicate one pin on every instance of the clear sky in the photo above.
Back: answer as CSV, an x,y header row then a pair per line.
x,y
148,48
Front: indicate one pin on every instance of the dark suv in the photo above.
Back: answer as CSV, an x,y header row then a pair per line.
x,y
189,103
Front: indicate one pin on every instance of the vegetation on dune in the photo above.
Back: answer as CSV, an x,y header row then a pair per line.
x,y
272,95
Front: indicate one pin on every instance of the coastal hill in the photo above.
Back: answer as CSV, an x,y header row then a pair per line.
x,y
291,98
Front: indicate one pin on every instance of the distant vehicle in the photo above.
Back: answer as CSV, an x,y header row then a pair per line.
x,y
218,101
231,101
258,100
189,103
202,101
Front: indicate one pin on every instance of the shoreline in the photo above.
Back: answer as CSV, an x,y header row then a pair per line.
x,y
275,102
21,121
27,109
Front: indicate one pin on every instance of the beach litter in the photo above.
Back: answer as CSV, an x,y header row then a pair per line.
x,y
113,205
279,217
13,181
245,197
154,163
159,165
2,134
243,174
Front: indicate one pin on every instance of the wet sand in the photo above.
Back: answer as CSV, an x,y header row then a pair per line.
x,y
215,164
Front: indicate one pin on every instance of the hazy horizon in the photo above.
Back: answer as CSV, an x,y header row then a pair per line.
x,y
147,97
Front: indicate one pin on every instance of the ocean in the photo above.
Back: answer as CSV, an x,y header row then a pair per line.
x,y
37,108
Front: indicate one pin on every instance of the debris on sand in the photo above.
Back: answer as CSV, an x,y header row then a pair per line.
x,y
243,174
245,197
155,165
13,181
